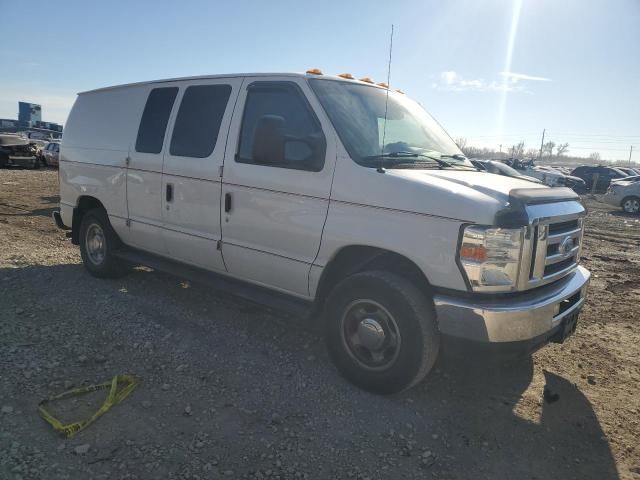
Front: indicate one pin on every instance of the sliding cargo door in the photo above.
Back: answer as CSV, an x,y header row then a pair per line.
x,y
191,174
144,172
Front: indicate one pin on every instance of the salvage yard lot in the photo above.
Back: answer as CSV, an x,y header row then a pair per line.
x,y
231,390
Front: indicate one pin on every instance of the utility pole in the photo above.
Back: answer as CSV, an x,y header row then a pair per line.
x,y
542,143
500,148
630,152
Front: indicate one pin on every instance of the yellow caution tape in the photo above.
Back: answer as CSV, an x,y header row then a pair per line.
x,y
120,387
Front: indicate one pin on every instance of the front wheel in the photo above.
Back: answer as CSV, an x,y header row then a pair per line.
x,y
97,244
381,331
631,205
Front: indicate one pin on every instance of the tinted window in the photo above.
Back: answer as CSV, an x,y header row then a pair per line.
x,y
154,119
280,108
198,123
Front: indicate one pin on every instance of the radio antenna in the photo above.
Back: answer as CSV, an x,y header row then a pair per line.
x,y
386,102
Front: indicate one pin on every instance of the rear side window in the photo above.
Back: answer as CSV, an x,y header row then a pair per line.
x,y
154,119
198,122
303,144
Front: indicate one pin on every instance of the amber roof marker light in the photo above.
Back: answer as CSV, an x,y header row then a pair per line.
x,y
347,76
314,71
367,80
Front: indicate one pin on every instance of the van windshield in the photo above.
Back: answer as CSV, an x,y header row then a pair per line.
x,y
357,112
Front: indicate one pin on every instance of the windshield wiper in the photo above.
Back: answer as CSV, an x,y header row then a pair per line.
x,y
455,156
400,158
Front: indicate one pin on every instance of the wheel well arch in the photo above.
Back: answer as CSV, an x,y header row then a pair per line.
x,y
85,203
629,197
358,258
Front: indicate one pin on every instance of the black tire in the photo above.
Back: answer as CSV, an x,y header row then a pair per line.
x,y
36,164
412,314
631,205
4,160
106,265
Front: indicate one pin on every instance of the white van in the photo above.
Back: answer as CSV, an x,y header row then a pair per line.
x,y
327,195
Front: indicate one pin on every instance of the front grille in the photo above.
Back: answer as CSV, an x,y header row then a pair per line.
x,y
563,227
559,266
554,247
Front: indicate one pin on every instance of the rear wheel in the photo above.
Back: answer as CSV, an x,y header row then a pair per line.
x,y
97,244
631,204
381,331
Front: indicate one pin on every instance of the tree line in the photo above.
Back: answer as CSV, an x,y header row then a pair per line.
x,y
551,152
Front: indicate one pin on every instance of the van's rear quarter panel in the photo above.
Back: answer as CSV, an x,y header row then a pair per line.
x,y
101,130
105,182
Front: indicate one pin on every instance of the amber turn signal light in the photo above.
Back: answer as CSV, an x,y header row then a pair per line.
x,y
474,253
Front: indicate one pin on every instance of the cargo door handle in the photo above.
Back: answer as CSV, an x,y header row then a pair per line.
x,y
227,202
169,192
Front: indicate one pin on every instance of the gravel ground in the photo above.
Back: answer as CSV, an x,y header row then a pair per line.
x,y
229,390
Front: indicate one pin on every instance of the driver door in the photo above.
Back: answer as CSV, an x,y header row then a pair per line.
x,y
274,208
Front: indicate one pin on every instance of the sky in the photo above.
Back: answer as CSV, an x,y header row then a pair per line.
x,y
492,71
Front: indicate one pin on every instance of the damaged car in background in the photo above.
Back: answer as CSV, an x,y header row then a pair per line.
x,y
17,151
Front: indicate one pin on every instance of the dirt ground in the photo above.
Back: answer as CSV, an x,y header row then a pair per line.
x,y
230,390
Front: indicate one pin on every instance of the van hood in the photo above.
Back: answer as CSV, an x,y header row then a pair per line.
x,y
494,186
466,196
472,196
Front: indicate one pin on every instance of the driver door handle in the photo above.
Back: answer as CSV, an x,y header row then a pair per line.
x,y
227,202
169,192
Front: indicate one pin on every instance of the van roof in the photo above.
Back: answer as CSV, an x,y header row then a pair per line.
x,y
226,75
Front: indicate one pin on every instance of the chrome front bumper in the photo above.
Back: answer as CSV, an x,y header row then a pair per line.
x,y
512,318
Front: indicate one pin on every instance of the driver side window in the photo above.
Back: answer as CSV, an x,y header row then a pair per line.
x,y
279,129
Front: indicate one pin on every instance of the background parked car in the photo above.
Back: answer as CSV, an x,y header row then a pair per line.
x,y
625,195
548,175
626,180
51,154
627,170
605,176
500,168
15,150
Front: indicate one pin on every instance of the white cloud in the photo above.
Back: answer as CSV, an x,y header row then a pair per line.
x,y
454,82
514,77
448,77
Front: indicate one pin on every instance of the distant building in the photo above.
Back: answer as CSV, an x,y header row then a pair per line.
x,y
29,113
56,127
30,123
7,124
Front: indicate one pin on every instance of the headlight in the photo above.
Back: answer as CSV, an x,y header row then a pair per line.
x,y
490,257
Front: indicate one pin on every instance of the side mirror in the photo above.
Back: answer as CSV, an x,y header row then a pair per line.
x,y
269,140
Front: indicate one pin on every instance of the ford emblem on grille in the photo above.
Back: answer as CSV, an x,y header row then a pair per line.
x,y
565,246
